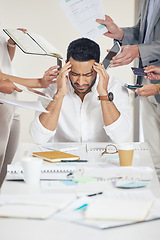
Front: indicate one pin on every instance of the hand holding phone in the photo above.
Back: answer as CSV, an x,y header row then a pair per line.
x,y
116,49
133,86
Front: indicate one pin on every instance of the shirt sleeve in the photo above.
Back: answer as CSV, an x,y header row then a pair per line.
x,y
39,133
119,131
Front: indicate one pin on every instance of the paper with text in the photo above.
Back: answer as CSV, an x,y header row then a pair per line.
x,y
83,15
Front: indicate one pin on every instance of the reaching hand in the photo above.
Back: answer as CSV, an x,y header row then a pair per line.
x,y
48,77
113,30
153,72
127,55
103,79
7,86
147,90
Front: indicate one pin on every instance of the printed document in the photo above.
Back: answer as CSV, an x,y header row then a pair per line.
x,y
83,15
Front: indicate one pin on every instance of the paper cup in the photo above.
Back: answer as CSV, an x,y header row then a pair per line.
x,y
125,153
32,170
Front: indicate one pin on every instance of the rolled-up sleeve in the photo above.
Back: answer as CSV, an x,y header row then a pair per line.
x,y
39,133
120,130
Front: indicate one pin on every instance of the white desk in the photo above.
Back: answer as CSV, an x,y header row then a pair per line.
x,y
40,229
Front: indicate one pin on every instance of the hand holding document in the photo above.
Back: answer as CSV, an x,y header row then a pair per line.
x,y
83,15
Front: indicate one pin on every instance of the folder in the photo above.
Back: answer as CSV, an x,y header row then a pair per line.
x,y
32,43
55,156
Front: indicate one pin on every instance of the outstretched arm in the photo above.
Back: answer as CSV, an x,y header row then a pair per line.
x,y
6,86
48,78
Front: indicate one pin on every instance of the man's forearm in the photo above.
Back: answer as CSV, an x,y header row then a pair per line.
x,y
110,112
50,120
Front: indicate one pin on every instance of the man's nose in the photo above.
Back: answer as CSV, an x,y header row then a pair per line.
x,y
81,80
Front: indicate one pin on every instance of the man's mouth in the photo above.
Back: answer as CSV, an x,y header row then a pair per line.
x,y
81,87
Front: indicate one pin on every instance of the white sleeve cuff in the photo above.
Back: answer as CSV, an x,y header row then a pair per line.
x,y
119,131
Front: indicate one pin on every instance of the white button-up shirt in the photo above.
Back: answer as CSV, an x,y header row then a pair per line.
x,y
83,121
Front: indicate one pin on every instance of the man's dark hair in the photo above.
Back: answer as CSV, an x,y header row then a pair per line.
x,y
83,49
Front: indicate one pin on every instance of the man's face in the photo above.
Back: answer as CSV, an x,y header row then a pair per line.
x,y
82,75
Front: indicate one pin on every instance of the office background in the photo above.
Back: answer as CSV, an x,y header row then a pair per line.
x,y
48,19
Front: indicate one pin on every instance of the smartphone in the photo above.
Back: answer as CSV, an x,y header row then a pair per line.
x,y
113,52
139,71
59,63
133,86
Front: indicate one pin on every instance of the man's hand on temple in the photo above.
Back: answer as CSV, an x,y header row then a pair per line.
x,y
62,79
103,79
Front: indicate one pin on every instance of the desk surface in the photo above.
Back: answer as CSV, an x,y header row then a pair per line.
x,y
40,229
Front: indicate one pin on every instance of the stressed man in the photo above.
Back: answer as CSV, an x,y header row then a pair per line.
x,y
88,105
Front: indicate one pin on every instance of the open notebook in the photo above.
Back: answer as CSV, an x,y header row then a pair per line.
x,y
33,207
32,43
100,212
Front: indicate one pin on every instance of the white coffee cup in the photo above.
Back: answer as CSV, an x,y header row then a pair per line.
x,y
125,153
32,170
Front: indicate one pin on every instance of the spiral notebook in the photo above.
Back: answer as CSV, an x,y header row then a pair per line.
x,y
49,171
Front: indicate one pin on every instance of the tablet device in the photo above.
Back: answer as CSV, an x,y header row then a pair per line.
x,y
113,52
139,71
133,86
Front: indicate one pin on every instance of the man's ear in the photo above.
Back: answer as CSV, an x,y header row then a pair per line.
x,y
65,61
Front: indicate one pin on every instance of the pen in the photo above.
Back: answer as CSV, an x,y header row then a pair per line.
x,y
94,194
76,161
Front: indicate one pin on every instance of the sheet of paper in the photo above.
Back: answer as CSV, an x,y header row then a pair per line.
x,y
49,48
83,15
33,91
128,173
32,105
36,207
